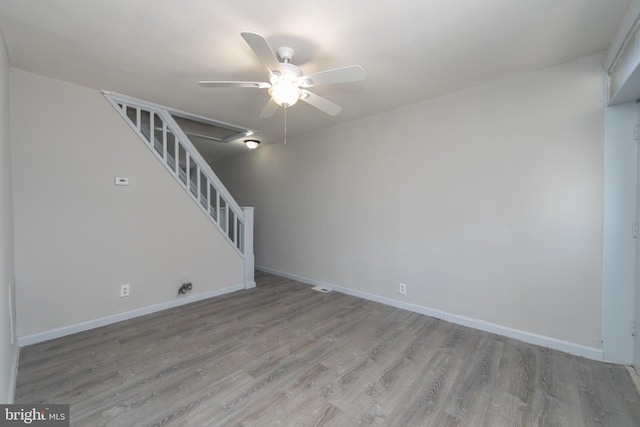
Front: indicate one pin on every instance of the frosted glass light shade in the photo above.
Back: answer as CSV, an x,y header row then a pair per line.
x,y
252,144
285,94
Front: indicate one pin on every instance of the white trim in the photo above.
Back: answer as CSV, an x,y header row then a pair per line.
x,y
96,323
185,115
13,372
14,375
541,340
619,198
247,247
629,21
12,312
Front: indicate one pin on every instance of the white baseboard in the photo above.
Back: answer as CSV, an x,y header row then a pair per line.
x,y
91,324
541,340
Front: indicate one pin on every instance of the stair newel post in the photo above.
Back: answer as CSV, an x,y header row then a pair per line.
x,y
247,246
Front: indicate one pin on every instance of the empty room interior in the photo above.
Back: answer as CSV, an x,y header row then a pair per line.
x,y
311,213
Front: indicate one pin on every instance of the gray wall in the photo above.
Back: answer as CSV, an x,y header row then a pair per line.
x,y
78,237
486,203
8,352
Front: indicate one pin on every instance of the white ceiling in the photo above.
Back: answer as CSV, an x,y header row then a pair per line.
x,y
411,50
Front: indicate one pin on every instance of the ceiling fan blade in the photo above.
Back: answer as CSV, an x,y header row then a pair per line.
x,y
320,103
351,73
209,83
269,109
261,47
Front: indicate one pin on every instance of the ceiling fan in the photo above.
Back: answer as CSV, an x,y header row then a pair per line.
x,y
286,83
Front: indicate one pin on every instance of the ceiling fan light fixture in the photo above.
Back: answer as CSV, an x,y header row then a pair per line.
x,y
252,144
287,84
285,93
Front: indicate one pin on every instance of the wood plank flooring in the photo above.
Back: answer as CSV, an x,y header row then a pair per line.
x,y
284,355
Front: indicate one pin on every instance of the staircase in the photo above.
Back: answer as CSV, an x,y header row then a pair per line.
x,y
155,125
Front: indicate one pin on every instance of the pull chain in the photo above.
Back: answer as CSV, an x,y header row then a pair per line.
x,y
285,124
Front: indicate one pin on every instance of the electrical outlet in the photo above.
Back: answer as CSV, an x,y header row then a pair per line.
x,y
125,290
402,289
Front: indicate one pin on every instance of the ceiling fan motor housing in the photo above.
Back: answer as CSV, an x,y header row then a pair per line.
x,y
291,73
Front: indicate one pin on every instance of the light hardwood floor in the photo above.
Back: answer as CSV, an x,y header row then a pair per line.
x,y
285,355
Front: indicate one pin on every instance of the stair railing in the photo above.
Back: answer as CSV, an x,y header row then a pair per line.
x,y
163,136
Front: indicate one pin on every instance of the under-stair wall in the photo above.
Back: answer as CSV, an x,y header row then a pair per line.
x,y
79,237
156,127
